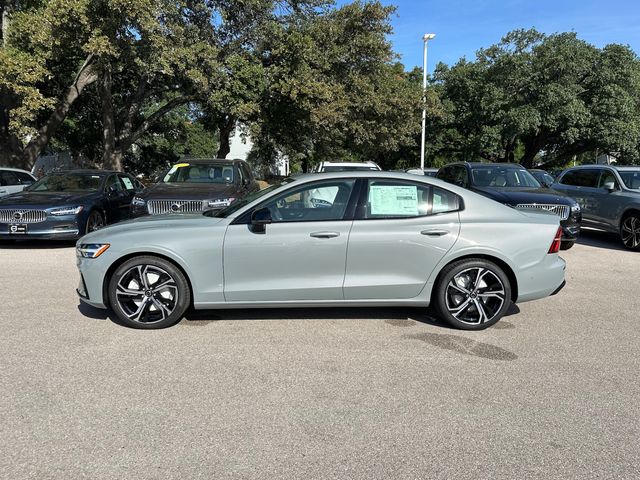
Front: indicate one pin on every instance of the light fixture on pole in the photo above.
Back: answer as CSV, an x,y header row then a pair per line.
x,y
426,37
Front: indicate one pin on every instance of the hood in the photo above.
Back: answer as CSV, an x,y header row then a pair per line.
x,y
514,195
189,191
44,200
153,222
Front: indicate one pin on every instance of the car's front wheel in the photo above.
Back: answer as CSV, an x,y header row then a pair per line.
x,y
472,294
149,292
630,231
95,221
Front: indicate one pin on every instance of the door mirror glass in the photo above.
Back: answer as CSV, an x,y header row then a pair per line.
x,y
260,219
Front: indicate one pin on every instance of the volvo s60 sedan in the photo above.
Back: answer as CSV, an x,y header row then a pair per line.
x,y
66,205
381,239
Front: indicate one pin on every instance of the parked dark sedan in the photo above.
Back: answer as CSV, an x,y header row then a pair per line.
x,y
196,186
66,205
511,184
543,177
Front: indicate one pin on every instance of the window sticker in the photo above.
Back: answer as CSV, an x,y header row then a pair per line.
x,y
127,183
393,199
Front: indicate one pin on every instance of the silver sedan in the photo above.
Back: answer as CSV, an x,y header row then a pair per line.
x,y
335,239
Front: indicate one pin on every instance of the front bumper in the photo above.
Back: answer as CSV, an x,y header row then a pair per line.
x,y
571,227
53,228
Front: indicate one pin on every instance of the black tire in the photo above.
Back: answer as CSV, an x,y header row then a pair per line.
x,y
95,221
483,304
567,244
630,231
149,292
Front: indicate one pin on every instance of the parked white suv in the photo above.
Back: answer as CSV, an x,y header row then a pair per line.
x,y
14,180
346,166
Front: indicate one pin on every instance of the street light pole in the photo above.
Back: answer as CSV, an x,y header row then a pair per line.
x,y
425,38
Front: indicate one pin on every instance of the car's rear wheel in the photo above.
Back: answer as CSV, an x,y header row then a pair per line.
x,y
95,221
149,292
630,231
472,294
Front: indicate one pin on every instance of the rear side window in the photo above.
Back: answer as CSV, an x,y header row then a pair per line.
x,y
387,199
581,178
8,179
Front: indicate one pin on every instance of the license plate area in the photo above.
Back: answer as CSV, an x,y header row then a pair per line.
x,y
17,229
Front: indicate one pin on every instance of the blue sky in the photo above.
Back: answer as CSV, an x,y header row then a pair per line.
x,y
463,26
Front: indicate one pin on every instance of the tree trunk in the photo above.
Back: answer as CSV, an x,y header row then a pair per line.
x,y
85,77
5,12
109,159
225,128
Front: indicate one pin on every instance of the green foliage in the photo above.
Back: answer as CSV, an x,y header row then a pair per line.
x,y
533,98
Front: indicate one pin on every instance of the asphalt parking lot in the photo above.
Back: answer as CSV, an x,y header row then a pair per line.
x,y
551,391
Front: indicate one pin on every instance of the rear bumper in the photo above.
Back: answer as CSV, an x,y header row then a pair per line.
x,y
542,280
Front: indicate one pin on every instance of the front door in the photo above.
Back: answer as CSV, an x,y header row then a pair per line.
x,y
300,256
401,231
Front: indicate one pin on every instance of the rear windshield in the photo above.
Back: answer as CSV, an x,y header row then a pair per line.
x,y
200,173
631,178
503,177
70,182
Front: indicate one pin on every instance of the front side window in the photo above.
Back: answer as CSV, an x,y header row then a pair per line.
x,y
395,199
113,183
581,178
607,178
312,202
25,179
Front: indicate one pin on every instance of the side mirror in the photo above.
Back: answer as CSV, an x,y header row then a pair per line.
x,y
260,219
609,186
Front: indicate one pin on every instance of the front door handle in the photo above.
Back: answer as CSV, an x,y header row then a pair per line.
x,y
325,234
434,233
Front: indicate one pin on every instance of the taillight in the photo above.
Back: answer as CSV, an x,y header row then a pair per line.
x,y
555,245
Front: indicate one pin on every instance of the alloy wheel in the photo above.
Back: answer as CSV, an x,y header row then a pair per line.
x,y
630,232
94,222
147,294
475,296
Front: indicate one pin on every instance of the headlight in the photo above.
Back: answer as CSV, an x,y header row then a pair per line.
x,y
575,208
220,202
91,250
67,211
138,202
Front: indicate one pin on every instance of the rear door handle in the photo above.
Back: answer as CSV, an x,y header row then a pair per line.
x,y
434,233
324,234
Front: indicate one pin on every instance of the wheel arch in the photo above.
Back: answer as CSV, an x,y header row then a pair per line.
x,y
114,266
513,281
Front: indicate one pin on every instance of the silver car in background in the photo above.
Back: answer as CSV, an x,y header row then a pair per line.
x,y
609,197
14,180
383,239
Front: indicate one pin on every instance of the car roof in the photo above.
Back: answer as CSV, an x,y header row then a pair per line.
x,y
488,164
82,171
621,168
346,164
537,170
11,169
200,161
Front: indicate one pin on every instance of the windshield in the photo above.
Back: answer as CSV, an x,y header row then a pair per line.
x,y
631,178
200,173
238,204
67,182
503,177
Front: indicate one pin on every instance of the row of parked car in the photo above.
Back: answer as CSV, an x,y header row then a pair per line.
x,y
69,204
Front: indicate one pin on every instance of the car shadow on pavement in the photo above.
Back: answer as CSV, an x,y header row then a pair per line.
x,y
598,239
35,244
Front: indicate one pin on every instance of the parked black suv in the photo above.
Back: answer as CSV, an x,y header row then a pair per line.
x,y
609,197
195,186
511,184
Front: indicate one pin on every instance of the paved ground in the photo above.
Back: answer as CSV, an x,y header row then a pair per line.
x,y
549,392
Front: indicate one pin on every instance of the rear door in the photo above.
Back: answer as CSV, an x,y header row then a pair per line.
x,y
401,231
